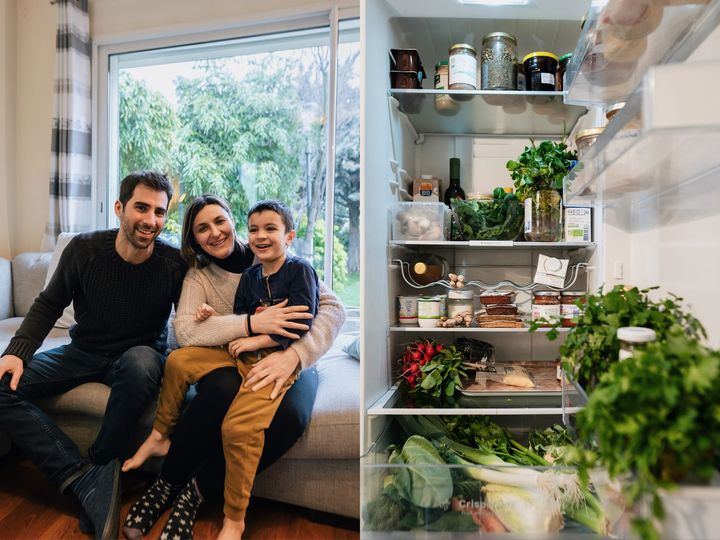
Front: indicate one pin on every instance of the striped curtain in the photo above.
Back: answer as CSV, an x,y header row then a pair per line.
x,y
70,154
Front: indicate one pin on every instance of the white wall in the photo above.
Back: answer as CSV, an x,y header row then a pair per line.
x,y
27,56
8,10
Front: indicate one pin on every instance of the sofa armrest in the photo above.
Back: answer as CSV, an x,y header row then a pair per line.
x,y
6,296
29,270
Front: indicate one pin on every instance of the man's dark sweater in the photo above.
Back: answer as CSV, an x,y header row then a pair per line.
x,y
296,281
118,305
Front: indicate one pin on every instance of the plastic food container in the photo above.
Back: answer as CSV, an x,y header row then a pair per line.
x,y
489,219
420,221
585,139
540,68
405,60
405,79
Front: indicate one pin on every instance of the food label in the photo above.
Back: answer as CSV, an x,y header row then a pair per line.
x,y
407,307
547,78
549,312
441,80
528,215
428,308
578,225
569,311
463,70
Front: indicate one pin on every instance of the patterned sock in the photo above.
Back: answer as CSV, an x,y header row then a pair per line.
x,y
182,516
146,511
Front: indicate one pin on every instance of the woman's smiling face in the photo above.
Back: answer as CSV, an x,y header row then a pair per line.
x,y
214,231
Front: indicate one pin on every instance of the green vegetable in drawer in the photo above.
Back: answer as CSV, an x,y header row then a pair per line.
x,y
500,218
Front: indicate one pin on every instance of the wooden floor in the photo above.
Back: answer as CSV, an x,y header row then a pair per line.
x,y
31,509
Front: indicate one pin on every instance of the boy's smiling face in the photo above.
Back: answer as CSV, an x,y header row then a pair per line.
x,y
267,236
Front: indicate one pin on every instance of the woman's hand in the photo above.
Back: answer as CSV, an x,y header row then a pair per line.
x,y
203,312
278,319
275,369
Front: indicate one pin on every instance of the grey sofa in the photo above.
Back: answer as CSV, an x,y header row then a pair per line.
x,y
320,472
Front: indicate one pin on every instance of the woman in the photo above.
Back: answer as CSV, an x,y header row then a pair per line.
x,y
194,467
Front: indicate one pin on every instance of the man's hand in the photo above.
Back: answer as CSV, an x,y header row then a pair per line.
x,y
11,364
274,369
203,312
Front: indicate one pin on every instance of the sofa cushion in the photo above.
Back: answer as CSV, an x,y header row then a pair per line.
x,y
6,305
334,427
67,319
32,267
8,327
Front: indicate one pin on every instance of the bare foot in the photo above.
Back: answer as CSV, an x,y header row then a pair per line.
x,y
232,530
156,444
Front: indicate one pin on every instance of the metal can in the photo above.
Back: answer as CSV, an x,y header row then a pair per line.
x,y
497,62
462,63
546,307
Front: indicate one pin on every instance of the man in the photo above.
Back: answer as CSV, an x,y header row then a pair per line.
x,y
123,283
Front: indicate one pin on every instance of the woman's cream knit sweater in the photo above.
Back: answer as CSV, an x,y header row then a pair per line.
x,y
216,287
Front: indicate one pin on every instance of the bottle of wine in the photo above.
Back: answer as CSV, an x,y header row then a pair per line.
x,y
454,191
426,268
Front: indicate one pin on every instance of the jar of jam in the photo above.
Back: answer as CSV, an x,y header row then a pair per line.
x,y
546,307
462,63
540,69
569,309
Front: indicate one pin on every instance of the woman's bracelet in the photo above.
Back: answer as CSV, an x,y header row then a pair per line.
x,y
249,327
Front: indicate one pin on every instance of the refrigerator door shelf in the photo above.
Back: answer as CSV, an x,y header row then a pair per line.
x,y
609,61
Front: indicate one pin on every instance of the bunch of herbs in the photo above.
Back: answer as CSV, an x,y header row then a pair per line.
x,y
498,219
540,167
655,419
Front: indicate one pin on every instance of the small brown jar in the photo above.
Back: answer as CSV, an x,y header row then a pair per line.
x,y
546,306
568,308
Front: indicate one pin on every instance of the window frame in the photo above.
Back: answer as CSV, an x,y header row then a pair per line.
x,y
105,77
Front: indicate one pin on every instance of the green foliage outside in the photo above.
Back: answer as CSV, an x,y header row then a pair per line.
x,y
262,136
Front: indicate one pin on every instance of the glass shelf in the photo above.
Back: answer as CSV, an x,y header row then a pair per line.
x,y
396,402
483,112
409,328
492,244
609,62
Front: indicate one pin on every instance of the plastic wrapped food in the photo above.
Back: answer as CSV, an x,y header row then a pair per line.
x,y
499,218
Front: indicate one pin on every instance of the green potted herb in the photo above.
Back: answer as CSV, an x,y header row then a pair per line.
x,y
654,421
538,174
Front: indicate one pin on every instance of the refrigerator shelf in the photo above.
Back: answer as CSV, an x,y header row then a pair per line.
x,y
495,244
484,112
395,403
409,328
666,157
593,79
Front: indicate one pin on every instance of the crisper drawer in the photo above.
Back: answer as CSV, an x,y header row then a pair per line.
x,y
408,492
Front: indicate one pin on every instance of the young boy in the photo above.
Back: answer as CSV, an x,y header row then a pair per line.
x,y
277,277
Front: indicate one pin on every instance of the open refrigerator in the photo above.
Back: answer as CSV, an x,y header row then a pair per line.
x,y
655,194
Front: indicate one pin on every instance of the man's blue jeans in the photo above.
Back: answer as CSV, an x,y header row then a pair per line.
x,y
133,377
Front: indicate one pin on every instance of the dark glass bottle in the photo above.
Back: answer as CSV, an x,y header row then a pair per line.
x,y
454,191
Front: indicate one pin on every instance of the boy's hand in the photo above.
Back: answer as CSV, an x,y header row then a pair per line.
x,y
203,312
237,346
11,364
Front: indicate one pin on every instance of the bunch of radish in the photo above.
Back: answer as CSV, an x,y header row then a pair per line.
x,y
414,357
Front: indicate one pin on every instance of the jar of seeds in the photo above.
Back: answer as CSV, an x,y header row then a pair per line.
x,y
497,62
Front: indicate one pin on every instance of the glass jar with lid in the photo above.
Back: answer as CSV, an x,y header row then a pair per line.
x,y
633,339
460,302
497,62
540,68
546,307
560,73
585,139
444,104
462,64
569,308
